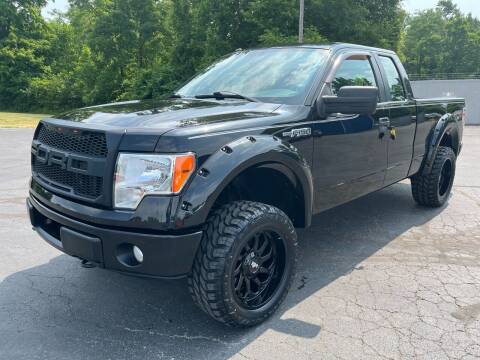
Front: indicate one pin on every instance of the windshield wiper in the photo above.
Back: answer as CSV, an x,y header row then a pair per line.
x,y
221,95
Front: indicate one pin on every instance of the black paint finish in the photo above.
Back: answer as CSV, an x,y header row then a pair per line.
x,y
328,159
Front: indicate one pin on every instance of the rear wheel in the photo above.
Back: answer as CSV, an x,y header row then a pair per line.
x,y
433,189
245,264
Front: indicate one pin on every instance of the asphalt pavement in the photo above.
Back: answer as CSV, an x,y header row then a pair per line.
x,y
378,278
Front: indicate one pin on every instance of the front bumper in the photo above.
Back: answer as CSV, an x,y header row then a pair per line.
x,y
164,256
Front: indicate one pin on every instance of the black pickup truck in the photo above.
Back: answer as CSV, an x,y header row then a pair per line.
x,y
211,183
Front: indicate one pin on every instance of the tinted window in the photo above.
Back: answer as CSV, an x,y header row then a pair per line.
x,y
281,75
394,80
354,71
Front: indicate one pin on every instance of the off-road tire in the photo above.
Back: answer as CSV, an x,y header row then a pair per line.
x,y
211,277
427,188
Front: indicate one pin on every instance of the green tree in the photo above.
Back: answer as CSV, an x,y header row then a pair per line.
x,y
124,39
23,48
108,50
60,83
442,41
368,22
20,15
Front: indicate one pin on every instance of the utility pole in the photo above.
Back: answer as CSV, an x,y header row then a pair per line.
x,y
301,21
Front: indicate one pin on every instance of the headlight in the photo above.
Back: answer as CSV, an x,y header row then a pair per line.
x,y
138,175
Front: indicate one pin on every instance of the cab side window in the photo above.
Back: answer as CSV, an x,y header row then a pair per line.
x,y
394,80
354,71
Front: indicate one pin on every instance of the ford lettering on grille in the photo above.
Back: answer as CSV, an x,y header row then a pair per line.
x,y
70,161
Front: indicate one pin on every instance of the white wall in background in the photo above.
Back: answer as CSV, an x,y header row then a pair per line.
x,y
468,89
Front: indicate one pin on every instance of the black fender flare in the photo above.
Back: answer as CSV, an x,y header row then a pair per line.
x,y
447,125
218,171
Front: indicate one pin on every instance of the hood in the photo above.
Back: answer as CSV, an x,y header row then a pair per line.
x,y
165,115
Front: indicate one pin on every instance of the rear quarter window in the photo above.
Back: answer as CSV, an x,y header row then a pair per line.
x,y
394,80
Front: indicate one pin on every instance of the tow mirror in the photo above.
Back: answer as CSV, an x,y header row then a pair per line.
x,y
351,100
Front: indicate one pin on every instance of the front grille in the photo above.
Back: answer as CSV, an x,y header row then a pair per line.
x,y
81,185
85,142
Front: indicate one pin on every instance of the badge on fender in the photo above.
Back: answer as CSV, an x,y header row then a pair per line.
x,y
295,133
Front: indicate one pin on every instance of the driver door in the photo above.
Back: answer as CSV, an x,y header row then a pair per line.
x,y
350,151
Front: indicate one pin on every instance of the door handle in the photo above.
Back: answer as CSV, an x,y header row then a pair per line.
x,y
384,121
384,124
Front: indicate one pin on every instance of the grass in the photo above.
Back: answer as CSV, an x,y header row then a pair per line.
x,y
19,120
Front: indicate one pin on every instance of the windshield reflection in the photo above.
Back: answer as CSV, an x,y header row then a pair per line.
x,y
278,75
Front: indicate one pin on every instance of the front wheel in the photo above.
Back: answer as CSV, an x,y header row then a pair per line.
x,y
433,189
245,264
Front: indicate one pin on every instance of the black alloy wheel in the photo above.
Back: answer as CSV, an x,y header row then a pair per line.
x,y
258,269
445,180
245,264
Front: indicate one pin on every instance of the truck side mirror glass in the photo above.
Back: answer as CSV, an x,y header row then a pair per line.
x,y
350,100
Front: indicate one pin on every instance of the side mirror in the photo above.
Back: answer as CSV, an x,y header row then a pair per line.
x,y
352,100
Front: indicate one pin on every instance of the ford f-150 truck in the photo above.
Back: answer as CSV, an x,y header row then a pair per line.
x,y
211,182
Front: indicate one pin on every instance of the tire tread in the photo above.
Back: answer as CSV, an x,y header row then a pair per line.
x,y
206,279
425,186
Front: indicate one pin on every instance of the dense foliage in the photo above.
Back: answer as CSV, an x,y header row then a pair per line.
x,y
442,41
110,50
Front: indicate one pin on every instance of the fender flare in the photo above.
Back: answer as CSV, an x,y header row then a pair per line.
x,y
219,170
447,125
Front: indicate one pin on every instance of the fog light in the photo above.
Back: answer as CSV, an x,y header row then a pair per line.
x,y
138,254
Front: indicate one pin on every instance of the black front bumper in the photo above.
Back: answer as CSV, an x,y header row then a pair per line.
x,y
164,256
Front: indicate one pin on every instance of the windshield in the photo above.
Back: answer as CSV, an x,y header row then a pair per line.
x,y
281,75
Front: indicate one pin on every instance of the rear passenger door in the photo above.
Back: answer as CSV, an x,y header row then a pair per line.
x,y
402,120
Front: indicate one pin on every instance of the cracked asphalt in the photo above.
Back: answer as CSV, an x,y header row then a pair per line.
x,y
379,278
